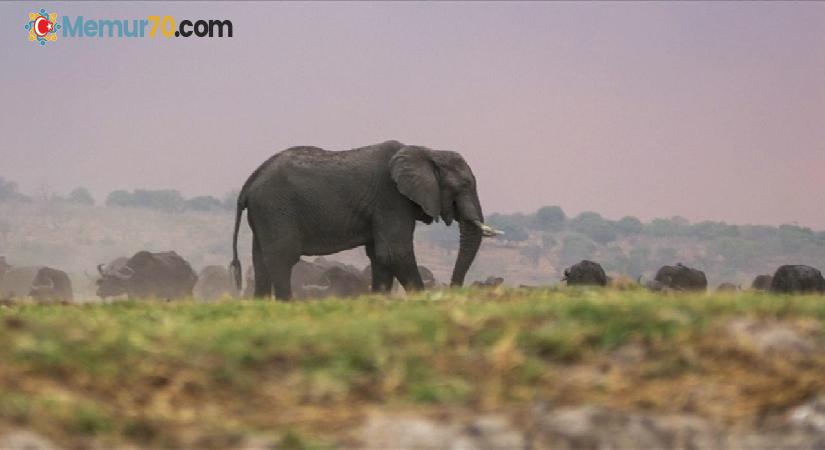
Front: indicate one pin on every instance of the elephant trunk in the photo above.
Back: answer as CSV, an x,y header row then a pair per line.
x,y
470,241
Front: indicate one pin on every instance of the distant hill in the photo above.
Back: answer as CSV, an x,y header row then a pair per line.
x,y
76,236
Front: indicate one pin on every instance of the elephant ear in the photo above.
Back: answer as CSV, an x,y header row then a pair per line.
x,y
413,171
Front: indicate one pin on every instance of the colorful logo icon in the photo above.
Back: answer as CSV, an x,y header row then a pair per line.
x,y
42,27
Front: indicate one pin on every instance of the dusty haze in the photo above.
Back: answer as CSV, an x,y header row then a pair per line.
x,y
705,110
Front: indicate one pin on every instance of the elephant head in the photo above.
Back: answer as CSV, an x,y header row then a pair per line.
x,y
442,184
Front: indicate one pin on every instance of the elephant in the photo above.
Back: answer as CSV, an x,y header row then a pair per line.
x,y
310,201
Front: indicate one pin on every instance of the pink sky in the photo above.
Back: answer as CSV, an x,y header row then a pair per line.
x,y
705,110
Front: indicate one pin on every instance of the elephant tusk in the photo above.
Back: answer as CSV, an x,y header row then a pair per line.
x,y
486,230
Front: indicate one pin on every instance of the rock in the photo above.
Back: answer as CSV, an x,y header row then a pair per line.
x,y
593,428
400,432
494,432
809,416
590,427
774,338
25,440
406,432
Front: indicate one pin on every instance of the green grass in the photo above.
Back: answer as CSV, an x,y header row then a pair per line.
x,y
186,373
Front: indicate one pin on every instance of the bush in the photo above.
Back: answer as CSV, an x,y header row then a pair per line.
x,y
514,233
629,225
440,235
163,200
548,241
736,252
615,260
8,191
675,226
204,203
712,230
638,260
230,200
665,256
793,238
81,196
549,218
509,220
532,254
592,225
575,248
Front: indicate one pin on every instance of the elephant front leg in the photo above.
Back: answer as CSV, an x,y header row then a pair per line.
x,y
278,259
380,270
393,241
405,268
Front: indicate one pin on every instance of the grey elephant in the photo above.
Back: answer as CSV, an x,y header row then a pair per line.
x,y
309,201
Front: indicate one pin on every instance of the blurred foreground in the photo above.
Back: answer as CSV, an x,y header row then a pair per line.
x,y
495,368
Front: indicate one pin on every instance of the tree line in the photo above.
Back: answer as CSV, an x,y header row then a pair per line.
x,y
167,200
579,235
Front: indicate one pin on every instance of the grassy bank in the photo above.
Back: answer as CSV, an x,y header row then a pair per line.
x,y
184,373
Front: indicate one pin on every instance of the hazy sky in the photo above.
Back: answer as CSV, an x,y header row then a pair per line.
x,y
705,110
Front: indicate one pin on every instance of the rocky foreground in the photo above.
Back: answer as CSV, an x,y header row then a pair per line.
x,y
470,369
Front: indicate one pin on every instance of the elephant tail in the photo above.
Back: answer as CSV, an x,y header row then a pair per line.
x,y
235,265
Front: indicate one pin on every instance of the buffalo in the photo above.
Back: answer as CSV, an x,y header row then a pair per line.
x,y
427,277
146,275
214,282
491,281
797,279
44,284
585,273
344,283
681,278
762,283
324,278
727,287
320,278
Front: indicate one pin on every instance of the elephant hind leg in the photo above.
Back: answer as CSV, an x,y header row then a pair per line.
x,y
280,273
279,257
263,284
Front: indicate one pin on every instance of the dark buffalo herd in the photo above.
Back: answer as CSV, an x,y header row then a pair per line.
x,y
166,275
585,273
146,274
40,283
762,283
798,278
